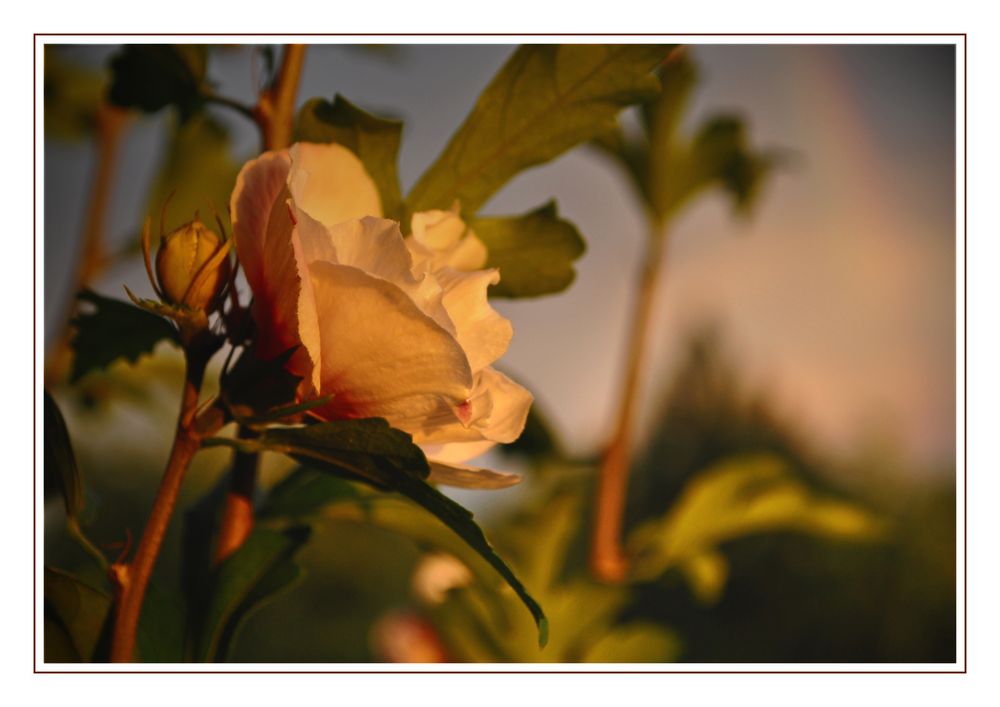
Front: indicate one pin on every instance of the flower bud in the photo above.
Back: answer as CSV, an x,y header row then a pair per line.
x,y
190,268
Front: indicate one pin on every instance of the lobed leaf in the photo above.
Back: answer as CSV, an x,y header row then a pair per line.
x,y
545,100
733,499
113,330
374,140
534,252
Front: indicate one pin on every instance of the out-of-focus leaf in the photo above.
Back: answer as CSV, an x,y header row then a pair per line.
x,y
638,642
371,451
736,498
374,140
668,169
160,635
706,574
75,615
113,330
149,77
537,440
545,100
720,156
535,252
197,173
73,94
61,475
305,492
258,571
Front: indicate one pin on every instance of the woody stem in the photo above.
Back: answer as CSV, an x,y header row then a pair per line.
x,y
132,579
607,559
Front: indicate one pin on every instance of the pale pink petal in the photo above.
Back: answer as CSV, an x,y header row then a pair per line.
x,y
382,356
329,182
470,477
508,405
457,452
442,239
376,246
265,242
482,332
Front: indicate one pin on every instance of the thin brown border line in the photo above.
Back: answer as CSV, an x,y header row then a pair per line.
x,y
502,34
965,373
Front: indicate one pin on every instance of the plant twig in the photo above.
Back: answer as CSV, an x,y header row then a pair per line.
x,y
110,125
132,579
237,512
607,559
275,112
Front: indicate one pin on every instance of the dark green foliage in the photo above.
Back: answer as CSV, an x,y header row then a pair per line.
x,y
113,330
75,615
305,492
256,573
371,451
374,140
149,77
62,475
535,252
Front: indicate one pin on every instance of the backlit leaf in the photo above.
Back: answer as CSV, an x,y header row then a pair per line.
x,y
374,140
535,252
545,100
61,474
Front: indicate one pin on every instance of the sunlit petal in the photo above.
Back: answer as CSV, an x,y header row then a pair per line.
x,y
329,182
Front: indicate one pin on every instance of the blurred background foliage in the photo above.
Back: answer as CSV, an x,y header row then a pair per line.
x,y
752,543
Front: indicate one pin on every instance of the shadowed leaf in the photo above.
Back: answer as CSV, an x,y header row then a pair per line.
x,y
370,451
75,616
113,330
149,77
73,94
61,475
245,581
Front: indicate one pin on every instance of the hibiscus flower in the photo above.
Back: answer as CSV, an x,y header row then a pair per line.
x,y
389,327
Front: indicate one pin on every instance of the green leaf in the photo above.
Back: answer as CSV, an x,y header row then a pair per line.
x,y
733,499
113,330
369,450
306,491
374,140
75,615
160,635
637,642
535,252
544,100
245,581
61,475
149,77
198,172
73,95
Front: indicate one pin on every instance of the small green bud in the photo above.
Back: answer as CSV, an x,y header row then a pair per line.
x,y
189,267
